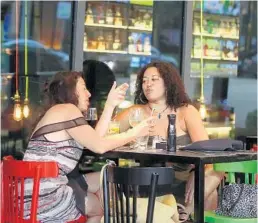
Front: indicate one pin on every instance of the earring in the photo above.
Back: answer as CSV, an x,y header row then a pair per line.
x,y
141,99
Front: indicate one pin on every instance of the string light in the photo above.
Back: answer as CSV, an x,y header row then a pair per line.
x,y
202,108
26,109
17,112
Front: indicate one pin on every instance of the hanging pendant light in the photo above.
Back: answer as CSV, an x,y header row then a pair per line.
x,y
26,109
202,109
17,112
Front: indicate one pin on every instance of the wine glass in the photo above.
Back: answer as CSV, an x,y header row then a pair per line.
x,y
135,117
91,116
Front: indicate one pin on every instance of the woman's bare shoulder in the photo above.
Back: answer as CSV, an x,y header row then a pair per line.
x,y
61,112
188,110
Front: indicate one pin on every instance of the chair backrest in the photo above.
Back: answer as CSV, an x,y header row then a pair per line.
x,y
14,174
120,182
246,167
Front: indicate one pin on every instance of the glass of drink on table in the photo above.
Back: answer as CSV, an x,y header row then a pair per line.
x,y
135,117
91,117
114,127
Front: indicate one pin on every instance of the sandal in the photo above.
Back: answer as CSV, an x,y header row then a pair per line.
x,y
183,215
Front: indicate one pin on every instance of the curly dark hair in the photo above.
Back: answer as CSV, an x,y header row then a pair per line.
x,y
60,90
175,91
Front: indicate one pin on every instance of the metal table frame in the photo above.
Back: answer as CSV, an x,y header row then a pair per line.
x,y
199,159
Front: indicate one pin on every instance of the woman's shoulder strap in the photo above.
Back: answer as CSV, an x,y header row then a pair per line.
x,y
55,127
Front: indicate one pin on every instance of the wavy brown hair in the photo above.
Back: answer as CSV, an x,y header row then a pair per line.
x,y
175,90
61,90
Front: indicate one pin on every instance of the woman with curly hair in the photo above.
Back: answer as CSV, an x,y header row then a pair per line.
x,y
159,88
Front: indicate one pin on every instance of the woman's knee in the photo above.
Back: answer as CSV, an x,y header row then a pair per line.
x,y
93,205
93,181
211,201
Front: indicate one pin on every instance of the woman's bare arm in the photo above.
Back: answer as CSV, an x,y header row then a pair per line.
x,y
115,97
194,124
89,138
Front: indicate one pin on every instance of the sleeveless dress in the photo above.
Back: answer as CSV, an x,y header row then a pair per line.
x,y
57,203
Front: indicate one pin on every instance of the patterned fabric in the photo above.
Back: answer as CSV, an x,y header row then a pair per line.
x,y
57,202
239,201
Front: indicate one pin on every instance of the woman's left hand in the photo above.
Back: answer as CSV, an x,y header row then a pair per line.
x,y
189,190
117,94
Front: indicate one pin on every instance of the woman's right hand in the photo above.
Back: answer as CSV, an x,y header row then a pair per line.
x,y
143,128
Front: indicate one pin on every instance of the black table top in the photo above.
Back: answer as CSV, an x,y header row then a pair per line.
x,y
190,157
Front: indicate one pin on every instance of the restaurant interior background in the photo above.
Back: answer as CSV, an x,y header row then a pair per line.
x,y
215,50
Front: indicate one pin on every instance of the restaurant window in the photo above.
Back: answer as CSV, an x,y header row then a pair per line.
x,y
126,35
224,40
39,34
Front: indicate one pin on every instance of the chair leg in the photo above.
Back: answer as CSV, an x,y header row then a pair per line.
x,y
106,197
151,203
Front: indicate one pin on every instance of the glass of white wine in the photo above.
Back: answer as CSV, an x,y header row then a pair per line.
x,y
135,117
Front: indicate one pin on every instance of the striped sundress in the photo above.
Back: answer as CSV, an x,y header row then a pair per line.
x,y
57,203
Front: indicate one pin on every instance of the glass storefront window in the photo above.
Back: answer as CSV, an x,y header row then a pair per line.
x,y
126,35
45,32
227,45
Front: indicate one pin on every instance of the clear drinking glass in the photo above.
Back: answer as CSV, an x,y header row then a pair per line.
x,y
135,117
113,127
91,116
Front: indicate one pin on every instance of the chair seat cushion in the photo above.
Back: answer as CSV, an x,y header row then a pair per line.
x,y
165,210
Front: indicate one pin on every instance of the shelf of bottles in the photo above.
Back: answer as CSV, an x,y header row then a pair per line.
x,y
220,38
118,28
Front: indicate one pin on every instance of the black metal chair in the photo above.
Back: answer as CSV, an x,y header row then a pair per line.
x,y
120,182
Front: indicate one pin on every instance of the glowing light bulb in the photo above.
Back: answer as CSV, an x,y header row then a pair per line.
x,y
26,111
17,112
203,111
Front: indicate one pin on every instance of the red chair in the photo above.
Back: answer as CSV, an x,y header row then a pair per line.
x,y
14,172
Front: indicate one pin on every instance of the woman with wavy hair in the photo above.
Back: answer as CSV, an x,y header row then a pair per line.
x,y
160,91
60,135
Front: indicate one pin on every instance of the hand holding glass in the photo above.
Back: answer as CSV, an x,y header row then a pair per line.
x,y
135,117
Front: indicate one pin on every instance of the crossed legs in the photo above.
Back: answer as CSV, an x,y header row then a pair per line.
x,y
93,205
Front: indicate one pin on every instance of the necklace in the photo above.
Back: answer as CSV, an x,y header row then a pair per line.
x,y
159,114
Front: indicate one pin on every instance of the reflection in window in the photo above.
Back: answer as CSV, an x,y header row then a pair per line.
x,y
49,43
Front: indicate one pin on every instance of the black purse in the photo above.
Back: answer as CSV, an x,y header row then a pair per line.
x,y
215,145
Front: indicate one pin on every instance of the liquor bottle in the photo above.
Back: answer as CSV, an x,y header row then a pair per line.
x,y
139,45
117,42
131,45
109,16
147,45
118,17
171,137
146,19
85,41
132,17
205,48
101,41
100,15
89,15
196,28
109,41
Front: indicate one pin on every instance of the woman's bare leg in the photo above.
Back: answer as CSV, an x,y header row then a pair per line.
x,y
93,205
212,181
